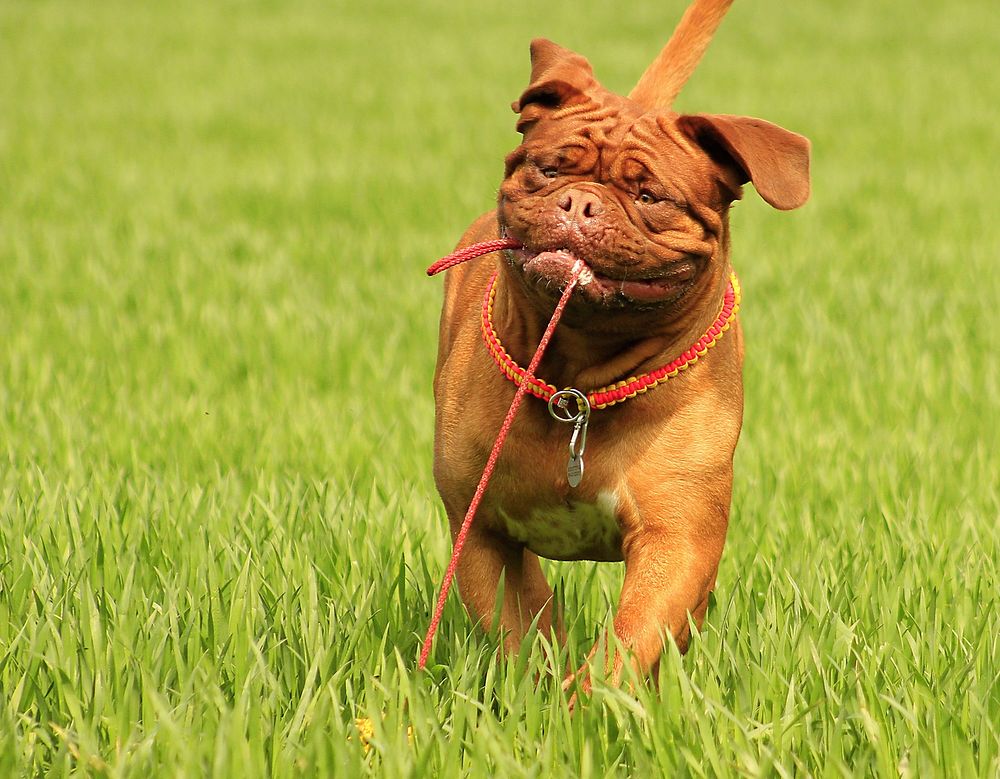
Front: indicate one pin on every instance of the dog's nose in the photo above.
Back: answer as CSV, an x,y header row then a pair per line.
x,y
580,205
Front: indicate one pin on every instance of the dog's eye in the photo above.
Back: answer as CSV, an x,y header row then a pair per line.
x,y
646,197
550,173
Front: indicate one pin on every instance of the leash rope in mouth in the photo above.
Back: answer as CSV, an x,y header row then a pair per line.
x,y
471,252
451,260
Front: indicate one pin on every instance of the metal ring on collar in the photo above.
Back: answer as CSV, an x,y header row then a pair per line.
x,y
559,405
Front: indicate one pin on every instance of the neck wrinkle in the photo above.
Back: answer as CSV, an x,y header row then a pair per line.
x,y
587,360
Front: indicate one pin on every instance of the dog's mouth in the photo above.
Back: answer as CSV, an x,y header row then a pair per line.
x,y
551,270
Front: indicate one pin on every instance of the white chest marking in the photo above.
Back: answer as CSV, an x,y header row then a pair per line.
x,y
573,531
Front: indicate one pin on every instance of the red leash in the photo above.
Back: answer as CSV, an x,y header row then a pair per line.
x,y
451,260
471,252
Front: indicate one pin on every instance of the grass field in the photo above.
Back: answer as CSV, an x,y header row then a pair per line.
x,y
219,535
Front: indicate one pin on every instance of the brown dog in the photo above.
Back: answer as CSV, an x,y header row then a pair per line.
x,y
641,195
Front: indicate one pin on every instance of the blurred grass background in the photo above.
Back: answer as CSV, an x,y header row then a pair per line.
x,y
220,539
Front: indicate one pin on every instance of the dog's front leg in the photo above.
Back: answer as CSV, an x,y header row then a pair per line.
x,y
671,560
526,594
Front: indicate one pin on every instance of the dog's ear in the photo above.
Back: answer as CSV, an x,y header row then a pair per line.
x,y
776,160
559,78
665,76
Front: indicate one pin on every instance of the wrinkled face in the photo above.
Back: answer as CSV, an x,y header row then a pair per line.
x,y
627,192
636,191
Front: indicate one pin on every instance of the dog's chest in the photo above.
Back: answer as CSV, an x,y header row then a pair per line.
x,y
576,530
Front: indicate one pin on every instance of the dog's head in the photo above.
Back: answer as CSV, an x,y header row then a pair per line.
x,y
635,190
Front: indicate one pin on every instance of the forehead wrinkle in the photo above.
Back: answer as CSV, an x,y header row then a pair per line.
x,y
588,110
634,148
650,139
610,150
651,134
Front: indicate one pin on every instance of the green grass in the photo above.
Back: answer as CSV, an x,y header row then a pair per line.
x,y
219,536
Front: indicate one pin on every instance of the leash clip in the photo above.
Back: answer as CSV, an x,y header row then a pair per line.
x,y
559,409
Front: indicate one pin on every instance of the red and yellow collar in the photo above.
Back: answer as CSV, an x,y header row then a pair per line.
x,y
603,397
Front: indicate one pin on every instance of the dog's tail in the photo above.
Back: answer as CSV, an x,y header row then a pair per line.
x,y
667,74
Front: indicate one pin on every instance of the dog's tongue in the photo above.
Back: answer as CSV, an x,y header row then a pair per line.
x,y
651,291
